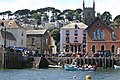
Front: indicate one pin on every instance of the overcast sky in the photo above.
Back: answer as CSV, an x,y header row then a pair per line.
x,y
113,6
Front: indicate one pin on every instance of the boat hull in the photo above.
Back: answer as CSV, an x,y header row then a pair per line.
x,y
54,66
72,68
116,67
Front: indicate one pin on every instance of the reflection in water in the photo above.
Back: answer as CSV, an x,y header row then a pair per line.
x,y
58,74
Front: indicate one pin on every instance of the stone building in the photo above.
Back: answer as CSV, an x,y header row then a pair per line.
x,y
38,40
88,13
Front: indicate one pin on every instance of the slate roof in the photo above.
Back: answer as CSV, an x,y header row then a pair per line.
x,y
9,36
97,18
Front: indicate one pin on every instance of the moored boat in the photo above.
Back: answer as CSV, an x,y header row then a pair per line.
x,y
54,66
71,68
116,67
83,68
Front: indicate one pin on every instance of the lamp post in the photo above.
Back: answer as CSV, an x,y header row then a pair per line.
x,y
4,46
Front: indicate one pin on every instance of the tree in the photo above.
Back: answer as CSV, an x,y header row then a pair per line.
x,y
55,33
78,14
37,17
22,13
69,14
117,19
106,16
55,13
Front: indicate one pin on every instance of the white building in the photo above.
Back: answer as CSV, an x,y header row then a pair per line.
x,y
18,31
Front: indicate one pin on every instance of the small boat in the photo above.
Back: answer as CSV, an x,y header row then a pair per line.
x,y
83,68
116,67
54,66
70,68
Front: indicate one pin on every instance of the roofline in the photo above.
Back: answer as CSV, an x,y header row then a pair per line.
x,y
98,18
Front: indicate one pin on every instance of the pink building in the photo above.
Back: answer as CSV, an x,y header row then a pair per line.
x,y
71,37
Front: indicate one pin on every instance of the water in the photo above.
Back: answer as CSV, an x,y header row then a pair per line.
x,y
58,74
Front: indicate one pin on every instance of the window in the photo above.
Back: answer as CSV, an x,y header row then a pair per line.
x,y
67,48
22,33
98,34
76,40
93,48
102,47
102,35
76,26
21,42
112,48
33,41
113,35
97,23
76,32
67,32
67,39
94,35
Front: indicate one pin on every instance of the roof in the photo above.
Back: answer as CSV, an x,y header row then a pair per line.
x,y
72,25
11,24
89,26
36,31
9,36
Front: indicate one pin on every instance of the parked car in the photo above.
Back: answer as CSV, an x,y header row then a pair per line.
x,y
103,53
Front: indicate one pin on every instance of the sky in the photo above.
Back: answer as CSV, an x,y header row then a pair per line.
x,y
100,5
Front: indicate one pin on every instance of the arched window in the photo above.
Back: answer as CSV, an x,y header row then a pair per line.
x,y
112,48
93,48
102,47
113,35
102,34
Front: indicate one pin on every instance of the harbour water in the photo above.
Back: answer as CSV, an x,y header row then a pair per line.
x,y
58,74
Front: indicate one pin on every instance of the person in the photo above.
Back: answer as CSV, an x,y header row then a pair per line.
x,y
74,63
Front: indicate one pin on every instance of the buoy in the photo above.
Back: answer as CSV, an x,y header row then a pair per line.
x,y
88,77
74,76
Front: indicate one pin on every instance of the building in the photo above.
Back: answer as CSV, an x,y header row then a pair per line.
x,y
71,37
10,39
18,31
38,40
88,13
100,36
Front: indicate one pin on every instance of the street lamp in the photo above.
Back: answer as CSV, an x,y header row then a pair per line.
x,y
4,46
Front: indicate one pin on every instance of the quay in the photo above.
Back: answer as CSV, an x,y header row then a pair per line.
x,y
102,62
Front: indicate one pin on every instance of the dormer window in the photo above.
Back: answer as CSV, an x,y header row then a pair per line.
x,y
76,26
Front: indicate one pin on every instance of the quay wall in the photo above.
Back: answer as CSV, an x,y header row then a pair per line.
x,y
103,62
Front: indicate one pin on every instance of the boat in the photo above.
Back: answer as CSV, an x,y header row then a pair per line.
x,y
116,67
82,68
71,68
54,66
